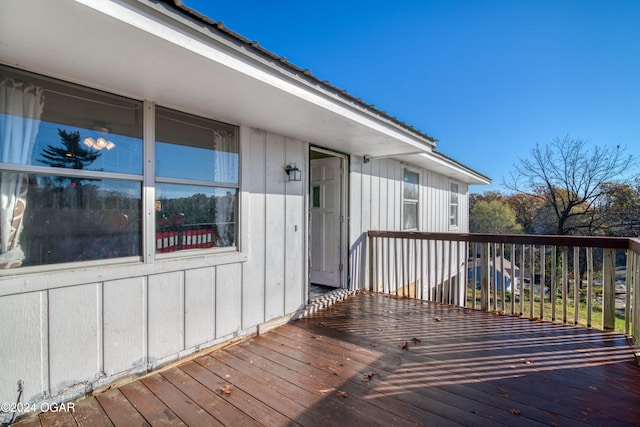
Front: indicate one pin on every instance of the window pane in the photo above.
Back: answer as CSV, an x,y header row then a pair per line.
x,y
410,216
410,185
191,217
75,219
453,215
195,148
51,123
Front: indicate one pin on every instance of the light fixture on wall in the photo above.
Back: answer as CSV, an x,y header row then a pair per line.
x,y
294,173
99,143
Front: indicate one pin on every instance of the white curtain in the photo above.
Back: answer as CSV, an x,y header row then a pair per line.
x,y
226,159
21,106
225,170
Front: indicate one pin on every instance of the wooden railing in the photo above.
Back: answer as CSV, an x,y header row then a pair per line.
x,y
588,281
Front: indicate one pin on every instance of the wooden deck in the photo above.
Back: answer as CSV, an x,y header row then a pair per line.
x,y
375,360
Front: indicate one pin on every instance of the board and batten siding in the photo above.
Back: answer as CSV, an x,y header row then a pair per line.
x,y
376,204
66,332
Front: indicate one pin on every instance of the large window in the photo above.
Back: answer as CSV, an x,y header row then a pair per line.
x,y
71,176
410,195
70,172
453,205
197,188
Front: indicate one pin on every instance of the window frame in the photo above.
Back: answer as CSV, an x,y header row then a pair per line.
x,y
454,205
147,179
406,201
152,253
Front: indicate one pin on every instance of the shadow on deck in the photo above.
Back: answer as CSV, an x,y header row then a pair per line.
x,y
375,360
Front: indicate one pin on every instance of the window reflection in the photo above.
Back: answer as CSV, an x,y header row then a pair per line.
x,y
194,217
71,220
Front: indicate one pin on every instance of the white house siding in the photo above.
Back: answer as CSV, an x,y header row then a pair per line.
x,y
376,204
64,333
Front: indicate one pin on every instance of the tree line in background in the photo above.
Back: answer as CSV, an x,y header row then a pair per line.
x,y
566,187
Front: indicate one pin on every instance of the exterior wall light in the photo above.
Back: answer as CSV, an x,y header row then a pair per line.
x,y
293,172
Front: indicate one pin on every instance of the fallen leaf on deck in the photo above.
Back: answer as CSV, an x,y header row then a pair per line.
x,y
437,318
405,345
225,389
526,361
500,312
535,319
414,339
368,376
341,394
514,411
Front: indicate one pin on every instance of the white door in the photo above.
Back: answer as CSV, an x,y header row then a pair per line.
x,y
325,214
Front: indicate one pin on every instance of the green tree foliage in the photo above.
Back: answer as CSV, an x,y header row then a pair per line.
x,y
493,216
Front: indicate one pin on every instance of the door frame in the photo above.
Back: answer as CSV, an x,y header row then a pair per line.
x,y
344,213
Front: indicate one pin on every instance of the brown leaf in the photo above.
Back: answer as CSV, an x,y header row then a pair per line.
x,y
437,318
368,376
414,339
225,389
405,346
500,312
514,411
341,394
535,319
526,361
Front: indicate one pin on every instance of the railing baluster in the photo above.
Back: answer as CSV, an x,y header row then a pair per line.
x,y
532,279
503,281
627,290
635,307
589,306
609,290
542,278
576,284
512,259
565,283
522,295
450,275
553,293
484,276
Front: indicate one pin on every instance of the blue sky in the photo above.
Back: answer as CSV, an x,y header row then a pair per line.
x,y
488,78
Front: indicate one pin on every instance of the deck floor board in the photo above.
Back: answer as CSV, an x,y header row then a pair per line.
x,y
349,365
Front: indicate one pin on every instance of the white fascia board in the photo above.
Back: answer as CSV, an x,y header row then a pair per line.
x,y
242,63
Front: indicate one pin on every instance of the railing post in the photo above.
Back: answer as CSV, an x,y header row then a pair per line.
x,y
371,262
635,308
485,280
609,290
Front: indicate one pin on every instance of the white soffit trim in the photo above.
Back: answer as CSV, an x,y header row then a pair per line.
x,y
437,163
235,62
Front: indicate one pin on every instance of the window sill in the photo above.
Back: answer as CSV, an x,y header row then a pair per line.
x,y
33,279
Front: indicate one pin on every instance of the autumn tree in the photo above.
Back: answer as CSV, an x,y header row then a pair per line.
x,y
526,207
619,209
569,175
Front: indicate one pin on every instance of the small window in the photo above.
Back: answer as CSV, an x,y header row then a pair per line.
x,y
410,196
453,205
197,169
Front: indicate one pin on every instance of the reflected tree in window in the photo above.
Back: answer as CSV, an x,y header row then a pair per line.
x,y
70,155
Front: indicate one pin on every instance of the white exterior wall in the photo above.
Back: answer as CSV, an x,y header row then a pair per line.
x,y
66,332
376,204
